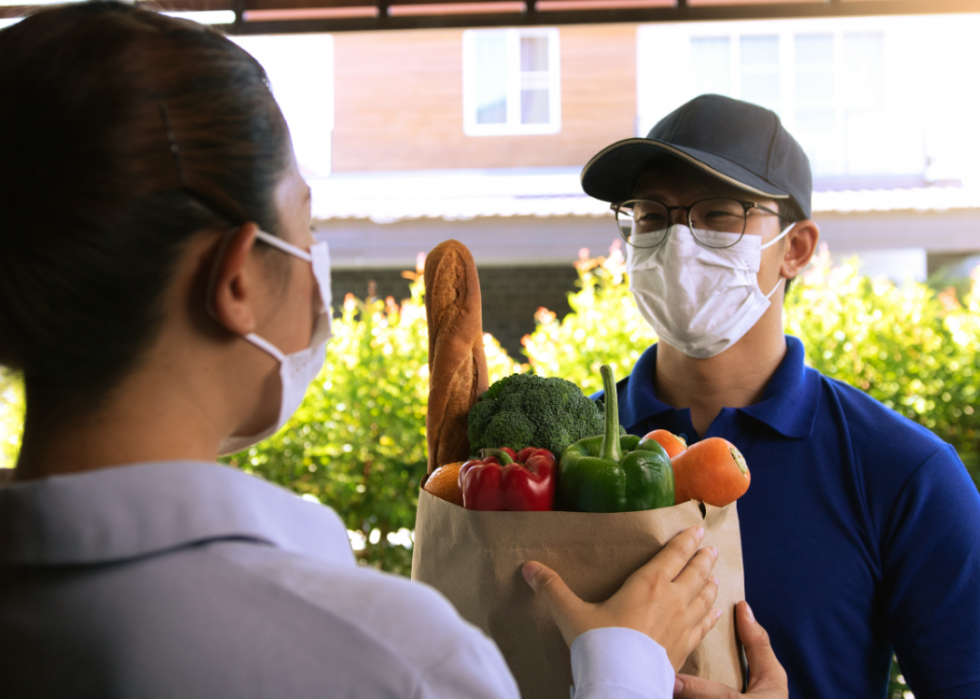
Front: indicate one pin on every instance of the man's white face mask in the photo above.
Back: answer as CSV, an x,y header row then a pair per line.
x,y
296,370
699,299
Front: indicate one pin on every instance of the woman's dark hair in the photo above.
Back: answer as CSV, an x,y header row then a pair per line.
x,y
126,132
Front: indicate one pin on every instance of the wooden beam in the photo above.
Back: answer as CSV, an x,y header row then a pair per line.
x,y
303,16
681,13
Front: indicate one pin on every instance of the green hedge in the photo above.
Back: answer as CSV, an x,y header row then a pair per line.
x,y
910,347
358,442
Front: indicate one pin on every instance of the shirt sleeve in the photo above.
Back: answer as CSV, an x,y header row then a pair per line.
x,y
610,663
931,569
618,663
475,669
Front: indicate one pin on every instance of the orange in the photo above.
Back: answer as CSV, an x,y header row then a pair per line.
x,y
444,483
671,443
712,471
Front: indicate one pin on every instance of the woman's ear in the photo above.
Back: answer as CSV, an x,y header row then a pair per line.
x,y
801,244
233,287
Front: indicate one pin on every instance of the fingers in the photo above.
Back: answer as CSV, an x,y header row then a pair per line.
x,y
707,623
564,605
697,572
675,555
764,669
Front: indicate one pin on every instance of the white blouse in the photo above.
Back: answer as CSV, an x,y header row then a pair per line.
x,y
187,579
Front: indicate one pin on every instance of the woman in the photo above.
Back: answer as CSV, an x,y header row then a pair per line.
x,y
162,294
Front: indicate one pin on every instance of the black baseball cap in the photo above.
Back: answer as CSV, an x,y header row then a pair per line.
x,y
741,144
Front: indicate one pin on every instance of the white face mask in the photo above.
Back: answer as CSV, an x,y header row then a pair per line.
x,y
296,370
698,299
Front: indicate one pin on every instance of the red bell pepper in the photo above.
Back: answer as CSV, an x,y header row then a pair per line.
x,y
503,480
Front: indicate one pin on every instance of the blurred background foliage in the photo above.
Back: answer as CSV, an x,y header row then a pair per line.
x,y
912,346
358,442
358,445
11,417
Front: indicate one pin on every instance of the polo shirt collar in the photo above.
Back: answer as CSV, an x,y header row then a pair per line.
x,y
791,399
120,513
788,405
641,399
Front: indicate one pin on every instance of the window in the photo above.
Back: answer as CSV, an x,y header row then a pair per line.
x,y
838,86
816,103
511,82
759,70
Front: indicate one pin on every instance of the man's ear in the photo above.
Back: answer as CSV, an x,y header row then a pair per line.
x,y
801,244
232,287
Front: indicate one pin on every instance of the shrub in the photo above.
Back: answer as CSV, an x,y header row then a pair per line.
x,y
11,417
357,443
604,326
911,348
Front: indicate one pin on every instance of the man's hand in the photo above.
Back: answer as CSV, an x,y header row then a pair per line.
x,y
767,677
669,599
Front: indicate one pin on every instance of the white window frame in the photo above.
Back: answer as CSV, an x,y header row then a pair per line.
x,y
513,125
658,97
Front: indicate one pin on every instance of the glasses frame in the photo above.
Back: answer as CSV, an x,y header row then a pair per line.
x,y
747,206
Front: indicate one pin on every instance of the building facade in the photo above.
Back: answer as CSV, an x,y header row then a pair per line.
x,y
412,137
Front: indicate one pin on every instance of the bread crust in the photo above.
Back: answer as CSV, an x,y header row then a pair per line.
x,y
458,372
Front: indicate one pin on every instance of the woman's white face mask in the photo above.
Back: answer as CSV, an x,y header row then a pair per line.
x,y
297,370
698,299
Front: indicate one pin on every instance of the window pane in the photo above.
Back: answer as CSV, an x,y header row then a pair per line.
x,y
710,71
815,120
534,107
815,85
760,87
491,78
760,50
814,48
863,59
534,53
816,130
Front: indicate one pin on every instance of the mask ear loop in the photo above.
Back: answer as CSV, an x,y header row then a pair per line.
x,y
779,237
773,242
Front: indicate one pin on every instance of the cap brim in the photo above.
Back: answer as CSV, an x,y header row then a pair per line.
x,y
611,174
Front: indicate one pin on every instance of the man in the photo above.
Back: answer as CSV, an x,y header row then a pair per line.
x,y
861,529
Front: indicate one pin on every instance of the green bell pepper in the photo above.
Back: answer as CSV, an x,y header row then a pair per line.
x,y
610,473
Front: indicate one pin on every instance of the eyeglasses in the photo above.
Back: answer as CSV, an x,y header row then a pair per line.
x,y
643,223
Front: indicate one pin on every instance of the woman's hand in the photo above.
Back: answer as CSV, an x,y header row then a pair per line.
x,y
669,599
767,677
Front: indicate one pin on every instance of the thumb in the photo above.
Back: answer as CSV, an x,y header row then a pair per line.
x,y
564,605
765,672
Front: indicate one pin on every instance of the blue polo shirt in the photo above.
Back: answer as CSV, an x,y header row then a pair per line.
x,y
860,533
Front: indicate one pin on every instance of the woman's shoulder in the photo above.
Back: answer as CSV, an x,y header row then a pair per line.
x,y
406,622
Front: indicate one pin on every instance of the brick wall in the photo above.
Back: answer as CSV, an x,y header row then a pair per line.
x,y
511,295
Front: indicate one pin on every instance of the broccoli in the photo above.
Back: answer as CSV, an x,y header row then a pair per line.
x,y
524,410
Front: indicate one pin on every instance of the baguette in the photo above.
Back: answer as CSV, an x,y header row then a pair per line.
x,y
457,363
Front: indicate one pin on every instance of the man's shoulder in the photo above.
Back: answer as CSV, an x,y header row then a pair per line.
x,y
875,427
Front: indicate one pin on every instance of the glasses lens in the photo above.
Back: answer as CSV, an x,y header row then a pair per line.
x,y
642,223
718,216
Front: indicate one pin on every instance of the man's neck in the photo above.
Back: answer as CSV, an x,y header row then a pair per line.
x,y
736,378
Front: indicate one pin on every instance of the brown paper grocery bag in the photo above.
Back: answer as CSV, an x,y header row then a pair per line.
x,y
475,559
